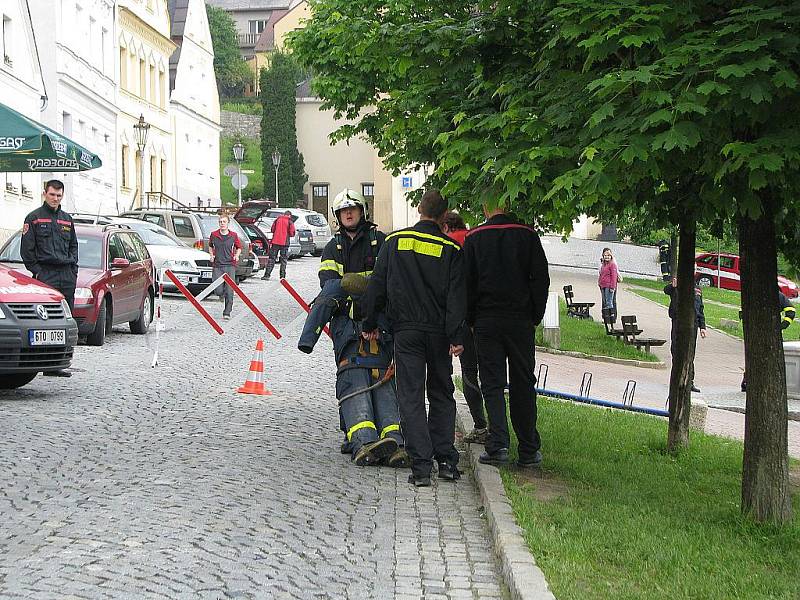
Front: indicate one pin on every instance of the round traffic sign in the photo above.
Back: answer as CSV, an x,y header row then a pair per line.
x,y
239,182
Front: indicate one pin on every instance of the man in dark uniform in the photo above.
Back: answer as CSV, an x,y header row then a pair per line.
x,y
419,278
671,290
50,247
507,283
370,419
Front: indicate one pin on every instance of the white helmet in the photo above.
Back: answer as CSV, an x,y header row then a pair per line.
x,y
348,198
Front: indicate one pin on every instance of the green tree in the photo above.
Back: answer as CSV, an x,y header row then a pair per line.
x,y
230,69
279,130
679,110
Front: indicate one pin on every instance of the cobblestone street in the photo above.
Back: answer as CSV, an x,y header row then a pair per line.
x,y
131,482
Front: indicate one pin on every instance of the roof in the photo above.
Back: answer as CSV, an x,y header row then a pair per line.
x,y
303,90
266,41
251,5
178,9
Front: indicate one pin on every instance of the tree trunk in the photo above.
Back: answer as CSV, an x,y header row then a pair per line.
x,y
683,343
673,258
765,470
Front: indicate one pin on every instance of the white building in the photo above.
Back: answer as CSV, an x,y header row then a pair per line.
x,y
77,60
21,88
194,105
143,48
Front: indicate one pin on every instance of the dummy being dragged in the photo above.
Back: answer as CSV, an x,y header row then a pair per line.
x,y
365,387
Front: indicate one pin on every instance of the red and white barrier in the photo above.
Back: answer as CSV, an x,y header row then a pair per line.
x,y
190,297
301,302
252,306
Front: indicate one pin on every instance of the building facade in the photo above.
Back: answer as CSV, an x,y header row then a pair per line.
x,y
194,106
143,49
21,88
77,60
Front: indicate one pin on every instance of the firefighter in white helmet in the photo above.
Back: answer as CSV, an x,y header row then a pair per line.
x,y
365,388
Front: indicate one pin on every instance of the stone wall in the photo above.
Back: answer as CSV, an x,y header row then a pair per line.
x,y
234,124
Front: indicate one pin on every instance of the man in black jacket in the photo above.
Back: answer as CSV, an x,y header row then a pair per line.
x,y
671,290
419,278
507,284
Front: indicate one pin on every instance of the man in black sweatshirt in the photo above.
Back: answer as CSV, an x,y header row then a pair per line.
x,y
671,290
419,279
507,284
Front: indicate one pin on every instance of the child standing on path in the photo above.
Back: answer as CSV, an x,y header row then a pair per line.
x,y
607,280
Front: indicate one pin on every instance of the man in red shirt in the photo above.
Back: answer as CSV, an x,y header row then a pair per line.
x,y
225,247
282,232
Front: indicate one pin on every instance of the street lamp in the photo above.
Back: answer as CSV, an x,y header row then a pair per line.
x,y
238,155
140,130
276,162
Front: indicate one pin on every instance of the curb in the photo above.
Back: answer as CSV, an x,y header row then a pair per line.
x,y
524,580
600,358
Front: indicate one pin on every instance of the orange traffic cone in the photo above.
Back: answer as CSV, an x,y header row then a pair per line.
x,y
255,378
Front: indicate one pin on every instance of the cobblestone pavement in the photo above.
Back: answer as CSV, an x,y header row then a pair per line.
x,y
131,482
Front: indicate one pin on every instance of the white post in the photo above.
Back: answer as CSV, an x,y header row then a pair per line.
x,y
550,322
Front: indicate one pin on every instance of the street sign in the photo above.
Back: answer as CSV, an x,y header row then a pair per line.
x,y
408,182
230,170
239,182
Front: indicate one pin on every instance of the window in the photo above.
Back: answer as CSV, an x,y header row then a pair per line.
x,y
115,249
162,85
103,40
123,68
93,53
142,80
368,190
163,175
7,41
257,26
153,88
124,166
153,179
726,262
131,253
66,124
183,226
319,198
157,219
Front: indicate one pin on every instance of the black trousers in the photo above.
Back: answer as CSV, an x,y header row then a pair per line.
x,y
472,390
62,278
673,336
423,363
277,253
509,342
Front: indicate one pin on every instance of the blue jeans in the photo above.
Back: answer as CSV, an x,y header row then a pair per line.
x,y
609,298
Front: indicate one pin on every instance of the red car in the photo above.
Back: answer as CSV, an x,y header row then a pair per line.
x,y
115,279
707,271
37,332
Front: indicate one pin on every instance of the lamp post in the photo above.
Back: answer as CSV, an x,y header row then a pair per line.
x,y
238,155
276,162
140,130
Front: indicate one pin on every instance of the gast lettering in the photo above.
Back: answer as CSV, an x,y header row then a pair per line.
x,y
11,142
59,147
86,158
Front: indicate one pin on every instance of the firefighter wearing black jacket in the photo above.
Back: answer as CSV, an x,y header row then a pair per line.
x,y
507,284
369,418
49,245
418,278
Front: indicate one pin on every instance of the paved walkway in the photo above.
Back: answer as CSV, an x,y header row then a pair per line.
x,y
718,363
131,482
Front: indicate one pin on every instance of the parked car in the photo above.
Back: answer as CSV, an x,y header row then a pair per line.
x,y
115,279
191,266
253,212
194,228
706,272
37,331
259,242
317,224
303,241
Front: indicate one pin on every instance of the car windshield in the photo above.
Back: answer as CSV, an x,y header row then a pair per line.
x,y
156,236
316,220
89,251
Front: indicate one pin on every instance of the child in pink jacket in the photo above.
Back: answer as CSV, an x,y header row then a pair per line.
x,y
608,279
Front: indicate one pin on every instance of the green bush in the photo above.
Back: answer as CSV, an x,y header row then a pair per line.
x,y
242,108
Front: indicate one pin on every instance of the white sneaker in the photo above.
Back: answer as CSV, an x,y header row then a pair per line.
x,y
226,317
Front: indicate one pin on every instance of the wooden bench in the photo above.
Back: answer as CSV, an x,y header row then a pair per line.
x,y
631,334
609,319
579,310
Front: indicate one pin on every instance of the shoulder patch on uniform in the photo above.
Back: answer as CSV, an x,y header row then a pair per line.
x,y
25,228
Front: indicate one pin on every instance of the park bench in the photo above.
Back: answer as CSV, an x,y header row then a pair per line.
x,y
631,333
579,310
609,319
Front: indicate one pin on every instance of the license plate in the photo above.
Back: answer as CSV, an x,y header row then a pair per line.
x,y
205,275
47,337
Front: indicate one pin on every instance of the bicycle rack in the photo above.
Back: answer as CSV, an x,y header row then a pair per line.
x,y
629,393
586,384
541,380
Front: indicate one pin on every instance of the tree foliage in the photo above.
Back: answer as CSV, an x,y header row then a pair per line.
x,y
683,111
279,130
231,70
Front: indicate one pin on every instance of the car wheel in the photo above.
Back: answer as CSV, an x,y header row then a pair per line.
x,y
11,382
98,336
316,253
142,324
705,281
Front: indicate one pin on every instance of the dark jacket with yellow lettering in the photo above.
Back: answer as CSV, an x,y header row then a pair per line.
x,y
506,271
419,280
357,255
49,240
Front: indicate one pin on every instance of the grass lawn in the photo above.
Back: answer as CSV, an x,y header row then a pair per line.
x,y
252,160
612,516
590,337
714,313
709,293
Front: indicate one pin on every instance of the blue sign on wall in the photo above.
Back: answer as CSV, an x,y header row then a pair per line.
x,y
407,182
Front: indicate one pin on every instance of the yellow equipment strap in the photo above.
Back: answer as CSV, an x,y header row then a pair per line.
x,y
361,425
389,429
331,265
